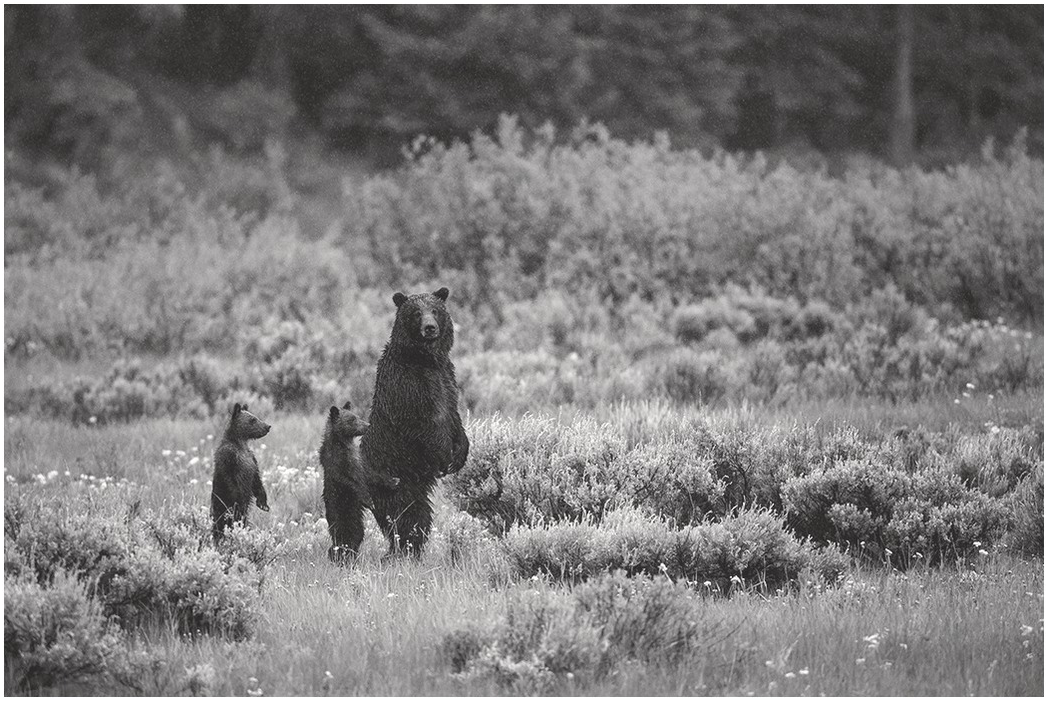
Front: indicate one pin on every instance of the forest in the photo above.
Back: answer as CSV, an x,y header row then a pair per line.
x,y
896,82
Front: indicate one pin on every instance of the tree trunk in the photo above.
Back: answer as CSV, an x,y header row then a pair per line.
x,y
974,85
270,61
902,142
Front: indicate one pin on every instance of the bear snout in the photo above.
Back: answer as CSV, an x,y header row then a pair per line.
x,y
430,329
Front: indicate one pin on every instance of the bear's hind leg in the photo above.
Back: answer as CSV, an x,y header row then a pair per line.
x,y
347,533
413,528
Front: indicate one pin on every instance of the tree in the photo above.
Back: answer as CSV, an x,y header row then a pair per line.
x,y
802,82
902,137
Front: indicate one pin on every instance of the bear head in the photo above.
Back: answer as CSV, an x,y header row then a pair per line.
x,y
345,425
423,321
244,425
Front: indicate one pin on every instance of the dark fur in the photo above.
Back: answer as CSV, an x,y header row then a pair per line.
x,y
416,432
347,482
237,478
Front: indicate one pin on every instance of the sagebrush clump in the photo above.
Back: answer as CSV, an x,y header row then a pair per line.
x,y
545,638
751,549
156,568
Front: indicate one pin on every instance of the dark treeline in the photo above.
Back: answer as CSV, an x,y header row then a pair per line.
x,y
900,82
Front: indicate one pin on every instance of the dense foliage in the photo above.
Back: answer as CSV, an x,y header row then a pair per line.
x,y
87,82
916,497
581,274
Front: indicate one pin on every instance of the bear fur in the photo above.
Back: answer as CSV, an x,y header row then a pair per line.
x,y
237,478
416,432
347,482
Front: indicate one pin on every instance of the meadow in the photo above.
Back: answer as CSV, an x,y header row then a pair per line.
x,y
738,428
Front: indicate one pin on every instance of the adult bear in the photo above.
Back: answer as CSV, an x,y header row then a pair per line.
x,y
416,432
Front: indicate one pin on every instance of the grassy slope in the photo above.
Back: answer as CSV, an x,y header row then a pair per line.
x,y
377,628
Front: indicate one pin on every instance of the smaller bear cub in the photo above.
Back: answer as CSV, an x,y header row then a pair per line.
x,y
237,478
347,480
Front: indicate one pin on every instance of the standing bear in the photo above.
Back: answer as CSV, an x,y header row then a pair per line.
x,y
416,432
237,478
347,482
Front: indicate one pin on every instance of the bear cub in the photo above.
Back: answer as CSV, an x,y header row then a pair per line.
x,y
347,480
237,478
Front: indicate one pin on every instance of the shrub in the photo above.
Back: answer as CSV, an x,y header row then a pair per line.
x,y
54,633
996,462
199,592
533,470
692,377
458,537
751,548
545,637
692,323
154,573
596,213
889,513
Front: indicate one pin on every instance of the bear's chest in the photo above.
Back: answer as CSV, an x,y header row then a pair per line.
x,y
426,395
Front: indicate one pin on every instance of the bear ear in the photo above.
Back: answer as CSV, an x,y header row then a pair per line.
x,y
236,408
333,413
347,406
243,407
399,298
442,294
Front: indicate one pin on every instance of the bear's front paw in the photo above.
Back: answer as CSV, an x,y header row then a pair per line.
x,y
264,506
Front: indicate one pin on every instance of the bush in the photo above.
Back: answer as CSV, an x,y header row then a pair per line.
x,y
54,634
908,492
157,573
694,322
545,638
887,513
199,592
584,272
751,548
520,211
459,537
533,470
695,377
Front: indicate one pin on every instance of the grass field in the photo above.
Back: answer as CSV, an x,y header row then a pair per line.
x,y
973,627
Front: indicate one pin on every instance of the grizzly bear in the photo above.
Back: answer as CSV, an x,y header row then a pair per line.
x,y
416,433
237,477
347,482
